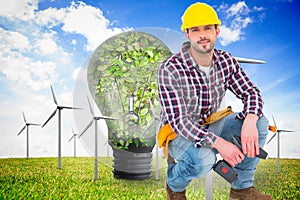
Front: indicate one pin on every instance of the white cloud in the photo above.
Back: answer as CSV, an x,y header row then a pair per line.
x,y
13,40
74,42
46,45
237,19
255,8
20,68
228,36
235,32
50,17
26,72
238,9
89,22
18,9
12,6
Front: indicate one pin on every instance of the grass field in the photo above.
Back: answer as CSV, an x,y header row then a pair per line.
x,y
39,178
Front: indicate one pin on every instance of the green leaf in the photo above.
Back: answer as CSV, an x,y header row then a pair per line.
x,y
129,60
120,48
144,111
136,142
122,142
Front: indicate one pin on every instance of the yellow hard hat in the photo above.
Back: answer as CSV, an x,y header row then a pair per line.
x,y
199,14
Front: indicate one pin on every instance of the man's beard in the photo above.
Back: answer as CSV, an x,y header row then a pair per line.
x,y
203,49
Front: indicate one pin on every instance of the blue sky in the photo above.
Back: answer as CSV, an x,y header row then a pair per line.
x,y
48,42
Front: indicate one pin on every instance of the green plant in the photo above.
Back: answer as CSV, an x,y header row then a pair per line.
x,y
122,76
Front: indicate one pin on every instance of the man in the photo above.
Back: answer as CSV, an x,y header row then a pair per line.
x,y
192,84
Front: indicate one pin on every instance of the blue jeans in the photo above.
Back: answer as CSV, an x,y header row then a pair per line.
x,y
197,162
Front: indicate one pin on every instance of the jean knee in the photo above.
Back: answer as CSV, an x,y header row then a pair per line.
x,y
263,129
263,125
203,165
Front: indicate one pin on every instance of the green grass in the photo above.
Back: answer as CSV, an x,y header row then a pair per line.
x,y
39,178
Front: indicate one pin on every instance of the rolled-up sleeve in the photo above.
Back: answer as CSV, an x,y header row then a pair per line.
x,y
245,90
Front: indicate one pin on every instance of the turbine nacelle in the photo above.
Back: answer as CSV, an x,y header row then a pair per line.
x,y
277,131
58,107
96,118
73,136
26,124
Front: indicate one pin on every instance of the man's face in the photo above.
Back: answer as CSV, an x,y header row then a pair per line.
x,y
203,38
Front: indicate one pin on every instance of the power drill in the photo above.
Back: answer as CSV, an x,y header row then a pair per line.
x,y
225,170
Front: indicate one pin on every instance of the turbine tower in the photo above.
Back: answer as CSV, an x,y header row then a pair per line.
x,y
95,119
156,118
277,131
73,136
27,124
59,108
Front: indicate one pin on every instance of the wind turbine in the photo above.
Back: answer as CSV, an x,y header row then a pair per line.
x,y
277,131
27,124
59,108
74,136
95,119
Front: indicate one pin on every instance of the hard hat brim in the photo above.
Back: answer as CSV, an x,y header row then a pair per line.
x,y
183,28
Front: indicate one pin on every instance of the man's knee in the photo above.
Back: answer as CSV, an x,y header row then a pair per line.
x,y
263,125
203,165
263,129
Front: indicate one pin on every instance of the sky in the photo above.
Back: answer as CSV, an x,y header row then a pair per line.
x,y
48,42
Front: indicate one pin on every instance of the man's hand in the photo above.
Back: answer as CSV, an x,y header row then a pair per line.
x,y
249,136
228,151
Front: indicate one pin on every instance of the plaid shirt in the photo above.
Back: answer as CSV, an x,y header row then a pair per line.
x,y
188,96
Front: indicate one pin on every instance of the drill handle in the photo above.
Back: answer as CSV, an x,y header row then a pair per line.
x,y
237,141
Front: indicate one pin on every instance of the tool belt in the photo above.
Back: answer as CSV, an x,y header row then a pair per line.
x,y
166,133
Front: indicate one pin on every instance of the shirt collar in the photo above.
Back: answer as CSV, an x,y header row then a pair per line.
x,y
186,56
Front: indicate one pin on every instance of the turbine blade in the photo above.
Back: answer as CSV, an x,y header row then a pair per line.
x,y
70,107
86,128
148,127
284,131
151,107
274,122
22,130
248,60
106,117
73,131
90,106
49,117
105,143
153,111
70,139
53,95
33,124
272,137
24,117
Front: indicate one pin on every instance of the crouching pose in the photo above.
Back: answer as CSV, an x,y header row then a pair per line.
x,y
192,85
